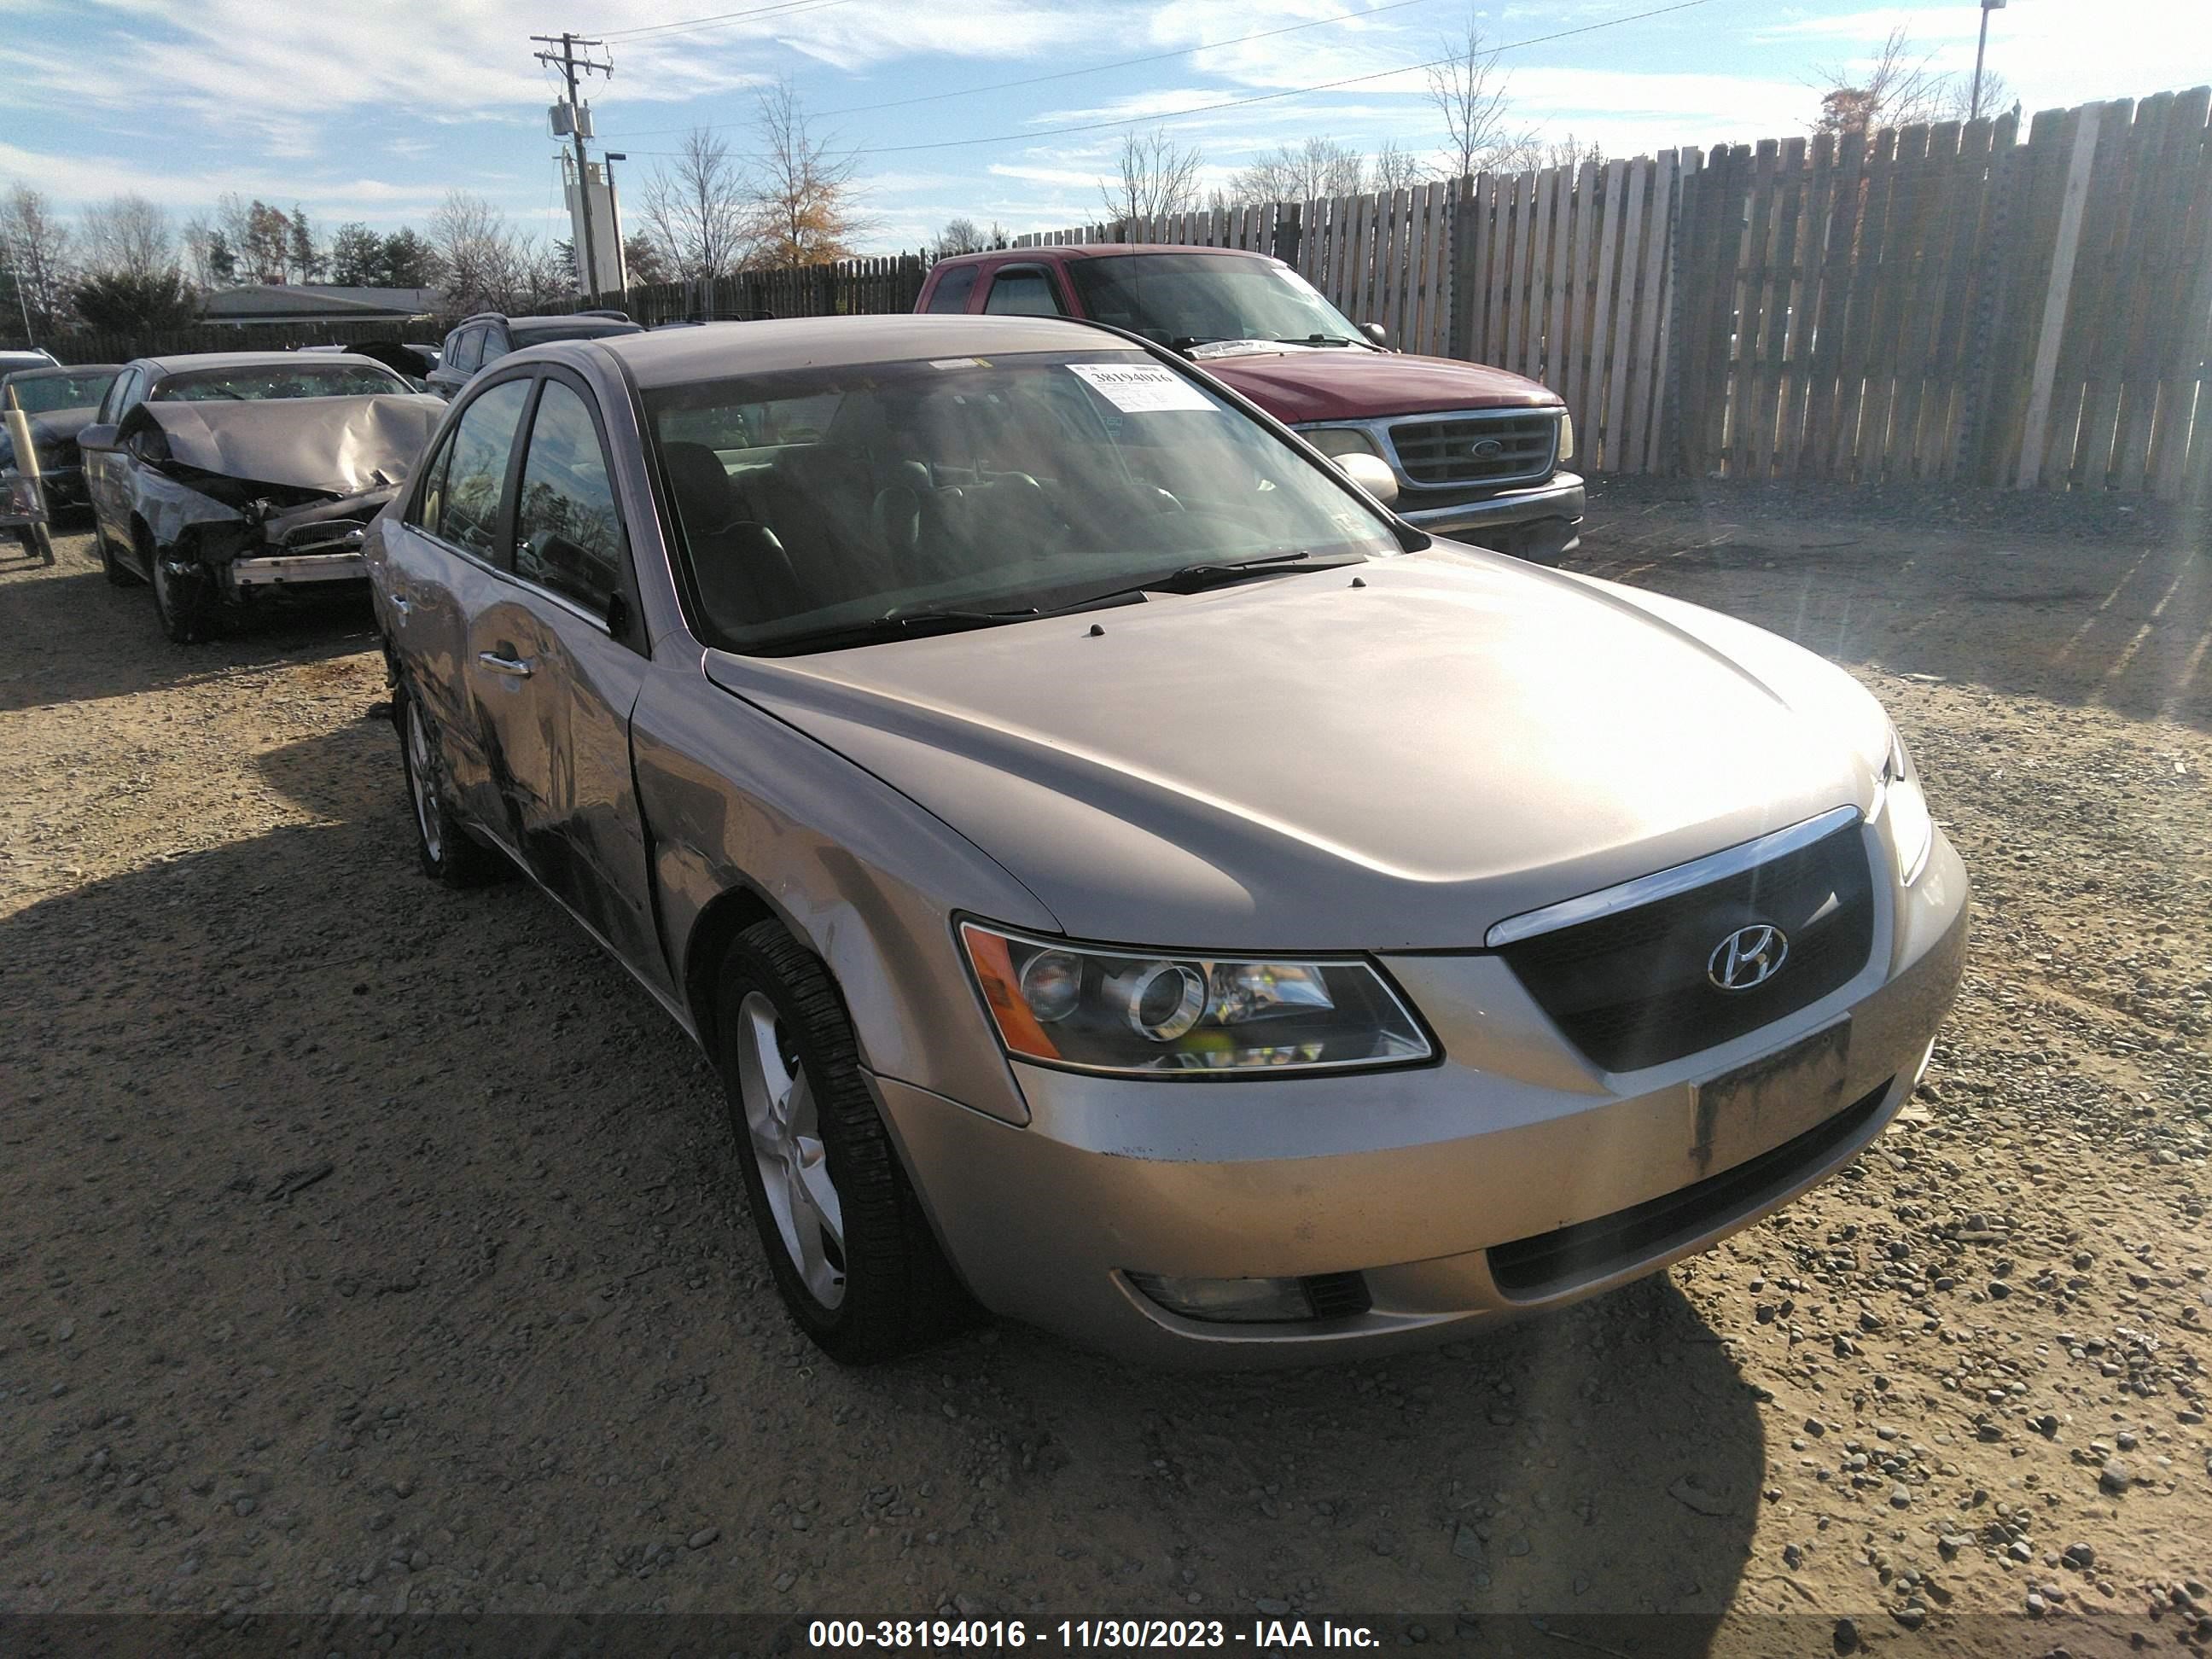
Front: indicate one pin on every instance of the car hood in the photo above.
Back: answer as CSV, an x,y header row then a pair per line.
x,y
54,428
337,446
1347,383
1296,763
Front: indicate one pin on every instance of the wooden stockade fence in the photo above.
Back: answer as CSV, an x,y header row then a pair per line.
x,y
886,283
1955,302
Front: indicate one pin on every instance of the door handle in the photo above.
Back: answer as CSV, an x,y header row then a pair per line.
x,y
399,602
499,664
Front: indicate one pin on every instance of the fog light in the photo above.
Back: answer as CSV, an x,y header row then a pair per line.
x,y
1230,1301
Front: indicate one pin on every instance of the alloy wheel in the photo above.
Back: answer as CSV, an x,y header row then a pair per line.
x,y
784,1126
427,818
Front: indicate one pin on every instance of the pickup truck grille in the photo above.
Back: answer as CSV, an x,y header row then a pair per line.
x,y
1630,988
1442,450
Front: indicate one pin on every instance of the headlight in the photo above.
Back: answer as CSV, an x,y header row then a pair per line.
x,y
1141,1014
1911,830
1341,441
1566,436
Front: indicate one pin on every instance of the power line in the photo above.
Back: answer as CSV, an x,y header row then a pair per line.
x,y
1094,69
1166,116
690,25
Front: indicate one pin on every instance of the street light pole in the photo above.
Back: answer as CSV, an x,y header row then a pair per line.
x,y
607,159
1982,46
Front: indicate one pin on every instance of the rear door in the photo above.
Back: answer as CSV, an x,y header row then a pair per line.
x,y
558,657
438,568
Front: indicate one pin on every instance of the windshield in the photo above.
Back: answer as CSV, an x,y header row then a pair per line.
x,y
818,501
45,393
287,379
1203,297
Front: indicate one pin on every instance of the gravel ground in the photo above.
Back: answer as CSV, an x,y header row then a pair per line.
x,y
366,1247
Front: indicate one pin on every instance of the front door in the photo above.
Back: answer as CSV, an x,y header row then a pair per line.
x,y
555,661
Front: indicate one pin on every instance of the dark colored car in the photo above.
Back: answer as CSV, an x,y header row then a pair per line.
x,y
60,403
1477,452
479,341
229,478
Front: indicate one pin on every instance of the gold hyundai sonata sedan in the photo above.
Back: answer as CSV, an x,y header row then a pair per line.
x,y
1129,880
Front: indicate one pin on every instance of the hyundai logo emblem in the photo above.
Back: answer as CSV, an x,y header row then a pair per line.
x,y
1489,449
1748,957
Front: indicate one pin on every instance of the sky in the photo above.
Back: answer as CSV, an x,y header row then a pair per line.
x,y
372,110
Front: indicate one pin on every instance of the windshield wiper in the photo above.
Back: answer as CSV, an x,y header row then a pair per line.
x,y
1197,577
896,624
1316,340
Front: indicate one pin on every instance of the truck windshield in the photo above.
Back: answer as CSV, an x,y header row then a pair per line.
x,y
823,507
291,380
1204,297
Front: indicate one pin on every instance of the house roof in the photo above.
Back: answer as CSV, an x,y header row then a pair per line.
x,y
265,303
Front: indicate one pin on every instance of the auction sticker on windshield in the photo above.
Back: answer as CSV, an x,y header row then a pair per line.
x,y
1141,388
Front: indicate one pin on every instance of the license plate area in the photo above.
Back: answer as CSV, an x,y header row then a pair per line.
x,y
1740,1113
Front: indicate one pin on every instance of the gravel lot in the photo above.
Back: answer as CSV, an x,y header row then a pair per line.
x,y
368,1248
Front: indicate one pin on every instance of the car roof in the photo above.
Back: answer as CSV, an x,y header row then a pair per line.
x,y
192,360
62,371
1066,251
677,356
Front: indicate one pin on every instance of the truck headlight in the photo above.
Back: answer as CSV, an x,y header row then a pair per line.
x,y
1139,1013
1911,828
1566,436
1341,441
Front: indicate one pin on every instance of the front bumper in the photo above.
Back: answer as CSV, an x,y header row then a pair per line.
x,y
1448,1188
1546,516
295,570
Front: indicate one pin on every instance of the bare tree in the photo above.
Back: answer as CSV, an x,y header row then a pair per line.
x,y
127,236
698,211
484,264
1470,92
1154,175
1571,152
1302,173
35,250
1896,88
1394,169
964,235
803,206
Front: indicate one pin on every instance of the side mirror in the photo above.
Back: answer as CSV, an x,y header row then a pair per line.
x,y
1372,474
1377,333
96,437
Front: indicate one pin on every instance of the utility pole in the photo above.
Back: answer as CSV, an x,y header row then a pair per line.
x,y
1974,99
570,65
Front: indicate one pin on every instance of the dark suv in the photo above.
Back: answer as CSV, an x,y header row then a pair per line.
x,y
484,339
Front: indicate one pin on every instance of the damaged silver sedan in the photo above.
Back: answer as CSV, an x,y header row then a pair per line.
x,y
230,479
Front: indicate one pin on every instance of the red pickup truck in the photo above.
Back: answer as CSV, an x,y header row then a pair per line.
x,y
1477,451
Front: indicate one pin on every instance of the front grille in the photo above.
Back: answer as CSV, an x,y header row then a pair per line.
x,y
1550,1262
1632,989
1442,450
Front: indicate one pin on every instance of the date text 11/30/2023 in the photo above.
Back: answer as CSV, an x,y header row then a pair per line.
x,y
1259,1635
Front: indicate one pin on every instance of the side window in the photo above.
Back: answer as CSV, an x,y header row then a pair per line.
x,y
432,502
495,343
953,289
1023,291
129,392
465,350
476,474
567,536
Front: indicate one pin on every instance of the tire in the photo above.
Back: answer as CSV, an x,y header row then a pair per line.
x,y
448,854
118,573
184,604
819,1164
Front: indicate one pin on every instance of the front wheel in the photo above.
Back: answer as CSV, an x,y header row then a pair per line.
x,y
184,600
852,1255
447,851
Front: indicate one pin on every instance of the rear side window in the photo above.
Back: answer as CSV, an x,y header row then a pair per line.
x,y
495,343
1022,294
462,506
953,289
567,536
463,349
